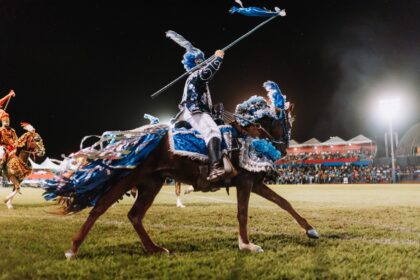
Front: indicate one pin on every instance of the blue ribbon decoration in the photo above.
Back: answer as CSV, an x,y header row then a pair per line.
x,y
255,12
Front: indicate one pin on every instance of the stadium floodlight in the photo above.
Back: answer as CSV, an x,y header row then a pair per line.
x,y
389,109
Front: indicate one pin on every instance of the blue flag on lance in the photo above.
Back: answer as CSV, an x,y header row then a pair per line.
x,y
257,12
250,11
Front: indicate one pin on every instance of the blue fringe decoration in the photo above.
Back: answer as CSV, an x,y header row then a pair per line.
x,y
265,150
93,179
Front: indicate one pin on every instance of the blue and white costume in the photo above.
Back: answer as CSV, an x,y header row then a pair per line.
x,y
196,103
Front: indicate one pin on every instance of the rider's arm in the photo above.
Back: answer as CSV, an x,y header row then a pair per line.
x,y
208,71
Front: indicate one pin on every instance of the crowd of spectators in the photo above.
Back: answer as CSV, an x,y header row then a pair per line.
x,y
347,174
358,154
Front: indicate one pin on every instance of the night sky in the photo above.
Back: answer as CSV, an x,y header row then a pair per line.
x,y
80,68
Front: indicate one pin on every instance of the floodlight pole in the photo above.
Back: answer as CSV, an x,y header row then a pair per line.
x,y
392,151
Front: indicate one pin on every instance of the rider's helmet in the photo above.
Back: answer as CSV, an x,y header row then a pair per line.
x,y
27,126
192,56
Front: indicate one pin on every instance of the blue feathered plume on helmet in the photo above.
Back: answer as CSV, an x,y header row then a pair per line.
x,y
191,55
274,93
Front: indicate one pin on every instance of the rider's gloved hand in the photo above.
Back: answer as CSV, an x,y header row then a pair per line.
x,y
219,53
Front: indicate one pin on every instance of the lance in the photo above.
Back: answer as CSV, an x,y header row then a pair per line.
x,y
212,57
8,97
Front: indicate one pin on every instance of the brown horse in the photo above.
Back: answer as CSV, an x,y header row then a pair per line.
x,y
161,163
28,145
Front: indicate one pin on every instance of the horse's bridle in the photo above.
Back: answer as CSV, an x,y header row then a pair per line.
x,y
38,148
285,136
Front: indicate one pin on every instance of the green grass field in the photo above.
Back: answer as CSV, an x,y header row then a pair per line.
x,y
367,232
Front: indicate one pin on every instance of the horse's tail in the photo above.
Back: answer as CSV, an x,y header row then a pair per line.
x,y
118,154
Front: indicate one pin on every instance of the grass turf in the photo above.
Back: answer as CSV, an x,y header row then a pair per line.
x,y
366,232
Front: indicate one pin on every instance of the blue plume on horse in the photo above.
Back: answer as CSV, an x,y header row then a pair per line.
x,y
274,93
265,149
257,12
191,54
251,110
152,119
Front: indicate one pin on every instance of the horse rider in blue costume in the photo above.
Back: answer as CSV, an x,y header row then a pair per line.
x,y
196,103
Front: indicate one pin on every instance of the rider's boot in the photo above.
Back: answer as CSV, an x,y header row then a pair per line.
x,y
216,169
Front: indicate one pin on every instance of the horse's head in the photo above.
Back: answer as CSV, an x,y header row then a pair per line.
x,y
31,143
267,121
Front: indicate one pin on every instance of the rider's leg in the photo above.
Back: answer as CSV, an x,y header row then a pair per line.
x,y
215,160
203,123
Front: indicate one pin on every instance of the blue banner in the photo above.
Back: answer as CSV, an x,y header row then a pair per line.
x,y
257,12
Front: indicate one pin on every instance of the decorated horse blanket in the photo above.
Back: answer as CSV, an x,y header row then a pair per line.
x,y
256,155
189,143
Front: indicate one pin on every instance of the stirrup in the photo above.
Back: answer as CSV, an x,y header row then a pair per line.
x,y
230,170
216,174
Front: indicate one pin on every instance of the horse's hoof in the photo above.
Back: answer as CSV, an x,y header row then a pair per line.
x,y
249,247
258,249
312,233
9,204
69,254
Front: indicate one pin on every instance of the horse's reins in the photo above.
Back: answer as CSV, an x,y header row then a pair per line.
x,y
261,128
29,152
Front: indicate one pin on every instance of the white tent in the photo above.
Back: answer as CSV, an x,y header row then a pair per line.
x,y
360,139
311,142
47,164
335,140
293,143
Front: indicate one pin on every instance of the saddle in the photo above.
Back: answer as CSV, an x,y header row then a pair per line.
x,y
187,142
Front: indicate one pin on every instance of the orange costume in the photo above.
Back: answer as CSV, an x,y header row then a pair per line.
x,y
8,135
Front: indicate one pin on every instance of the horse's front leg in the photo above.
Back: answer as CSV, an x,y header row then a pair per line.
x,y
264,191
179,203
16,189
243,194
